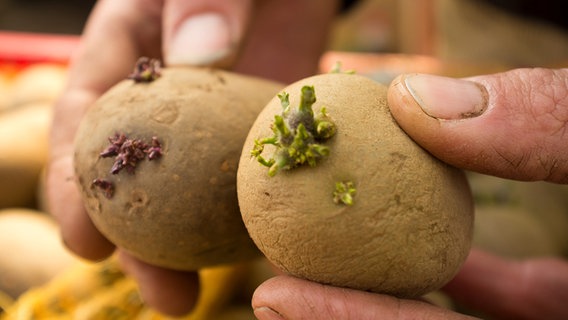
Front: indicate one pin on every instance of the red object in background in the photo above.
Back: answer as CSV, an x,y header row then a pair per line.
x,y
20,49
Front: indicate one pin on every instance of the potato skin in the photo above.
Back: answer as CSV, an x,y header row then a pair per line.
x,y
410,227
179,211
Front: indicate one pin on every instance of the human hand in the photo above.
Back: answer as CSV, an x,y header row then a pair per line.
x,y
255,37
512,125
532,289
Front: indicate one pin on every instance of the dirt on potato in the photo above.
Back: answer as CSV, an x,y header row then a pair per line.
x,y
408,226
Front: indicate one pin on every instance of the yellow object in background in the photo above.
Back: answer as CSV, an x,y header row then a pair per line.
x,y
102,291
27,96
23,153
32,252
37,83
5,301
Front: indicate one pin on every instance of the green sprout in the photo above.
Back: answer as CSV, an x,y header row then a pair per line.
x,y
298,134
344,193
337,68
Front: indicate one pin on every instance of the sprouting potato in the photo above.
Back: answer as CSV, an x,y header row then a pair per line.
x,y
332,190
156,160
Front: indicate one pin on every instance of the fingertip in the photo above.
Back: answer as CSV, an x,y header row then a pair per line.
x,y
170,292
405,109
428,101
86,241
202,40
394,93
278,298
204,33
265,313
78,232
263,294
285,296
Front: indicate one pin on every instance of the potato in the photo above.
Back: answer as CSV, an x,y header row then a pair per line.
x,y
180,209
23,153
373,211
32,252
42,82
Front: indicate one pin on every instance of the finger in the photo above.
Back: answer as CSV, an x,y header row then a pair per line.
x,y
513,125
77,230
203,32
286,297
283,42
286,39
109,47
168,291
533,289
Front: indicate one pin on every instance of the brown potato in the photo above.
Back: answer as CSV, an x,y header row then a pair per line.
x,y
23,153
42,82
179,210
32,251
404,229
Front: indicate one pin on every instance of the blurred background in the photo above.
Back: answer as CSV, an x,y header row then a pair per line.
x,y
44,16
522,32
378,38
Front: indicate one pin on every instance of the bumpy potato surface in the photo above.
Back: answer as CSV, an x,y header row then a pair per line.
x,y
180,209
409,228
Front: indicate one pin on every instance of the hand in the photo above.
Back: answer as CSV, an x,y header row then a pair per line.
x,y
512,125
256,39
534,289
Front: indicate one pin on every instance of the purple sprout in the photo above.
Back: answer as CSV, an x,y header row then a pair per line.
x,y
146,70
127,154
106,186
154,151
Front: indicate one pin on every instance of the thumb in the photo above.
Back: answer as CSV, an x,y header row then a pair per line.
x,y
203,32
512,124
289,298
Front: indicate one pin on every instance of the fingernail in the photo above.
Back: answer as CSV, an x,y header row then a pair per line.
x,y
266,313
201,40
447,98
